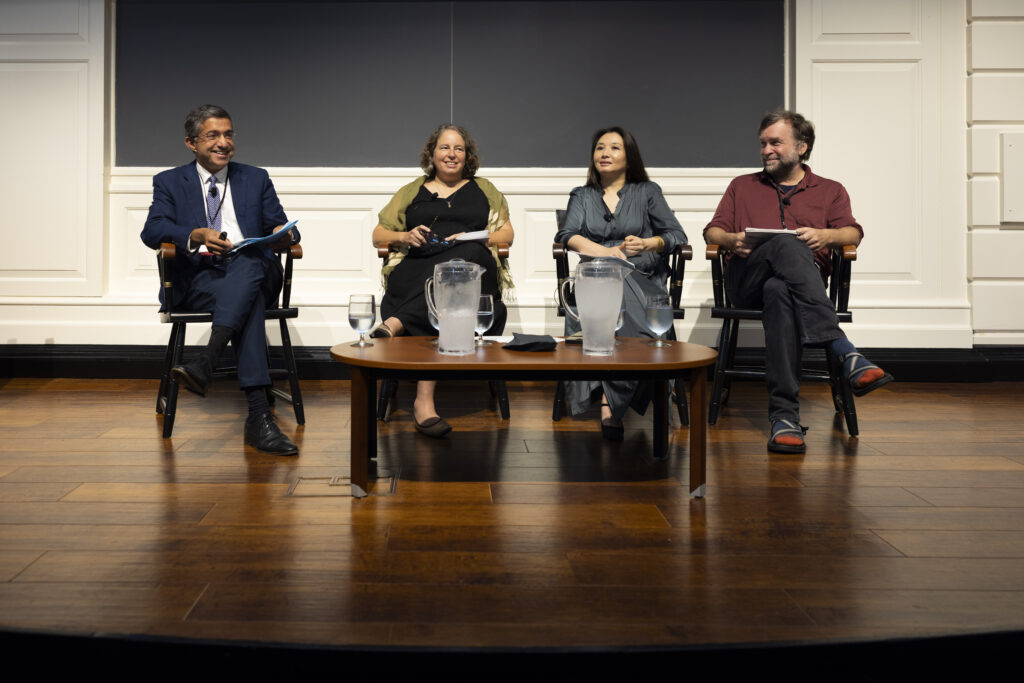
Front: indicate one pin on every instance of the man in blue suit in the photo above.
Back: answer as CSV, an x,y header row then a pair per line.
x,y
203,208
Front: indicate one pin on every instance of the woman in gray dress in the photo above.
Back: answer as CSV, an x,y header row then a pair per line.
x,y
620,213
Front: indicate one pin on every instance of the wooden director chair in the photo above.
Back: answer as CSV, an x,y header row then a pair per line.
x,y
725,368
389,387
677,259
167,396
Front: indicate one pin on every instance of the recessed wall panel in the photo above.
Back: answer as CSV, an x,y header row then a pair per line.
x,y
878,20
42,20
868,138
43,183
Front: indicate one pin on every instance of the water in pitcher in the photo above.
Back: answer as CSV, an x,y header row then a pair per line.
x,y
599,301
456,333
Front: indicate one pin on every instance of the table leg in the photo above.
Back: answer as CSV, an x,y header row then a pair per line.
x,y
660,419
363,432
698,431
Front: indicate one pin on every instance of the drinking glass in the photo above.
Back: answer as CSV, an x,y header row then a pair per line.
x,y
659,317
484,318
362,313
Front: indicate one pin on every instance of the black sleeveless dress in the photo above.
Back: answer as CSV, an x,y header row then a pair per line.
x,y
465,210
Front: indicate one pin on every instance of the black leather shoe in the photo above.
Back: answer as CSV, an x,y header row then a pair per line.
x,y
261,433
194,376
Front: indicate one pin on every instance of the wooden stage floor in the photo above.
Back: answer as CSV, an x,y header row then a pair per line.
x,y
524,534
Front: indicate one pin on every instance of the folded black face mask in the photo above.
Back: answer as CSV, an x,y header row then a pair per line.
x,y
531,342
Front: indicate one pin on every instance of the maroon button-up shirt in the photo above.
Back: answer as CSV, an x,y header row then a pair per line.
x,y
751,201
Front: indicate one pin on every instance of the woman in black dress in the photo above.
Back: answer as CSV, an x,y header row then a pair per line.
x,y
421,219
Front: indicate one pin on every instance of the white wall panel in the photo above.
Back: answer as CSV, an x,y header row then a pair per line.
x,y
893,214
997,96
998,306
997,253
1013,178
51,65
985,200
985,150
997,8
24,21
883,83
535,235
50,147
997,45
874,20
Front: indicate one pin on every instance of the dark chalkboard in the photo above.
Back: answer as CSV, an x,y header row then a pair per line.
x,y
351,84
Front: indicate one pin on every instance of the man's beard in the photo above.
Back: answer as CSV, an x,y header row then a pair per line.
x,y
783,169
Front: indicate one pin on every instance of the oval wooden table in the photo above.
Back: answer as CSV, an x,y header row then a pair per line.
x,y
415,358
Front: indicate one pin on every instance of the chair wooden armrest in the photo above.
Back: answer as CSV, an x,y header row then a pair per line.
x,y
291,250
711,252
849,252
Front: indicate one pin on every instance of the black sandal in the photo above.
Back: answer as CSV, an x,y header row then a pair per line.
x,y
788,428
855,372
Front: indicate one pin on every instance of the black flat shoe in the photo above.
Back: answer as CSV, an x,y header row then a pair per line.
x,y
611,429
262,433
194,376
434,427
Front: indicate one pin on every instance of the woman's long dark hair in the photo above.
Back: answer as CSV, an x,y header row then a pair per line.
x,y
635,171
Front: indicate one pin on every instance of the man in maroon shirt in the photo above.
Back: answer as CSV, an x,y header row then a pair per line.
x,y
783,275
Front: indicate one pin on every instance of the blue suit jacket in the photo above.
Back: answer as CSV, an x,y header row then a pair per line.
x,y
179,207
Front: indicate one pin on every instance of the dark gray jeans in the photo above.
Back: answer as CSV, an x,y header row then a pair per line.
x,y
781,278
